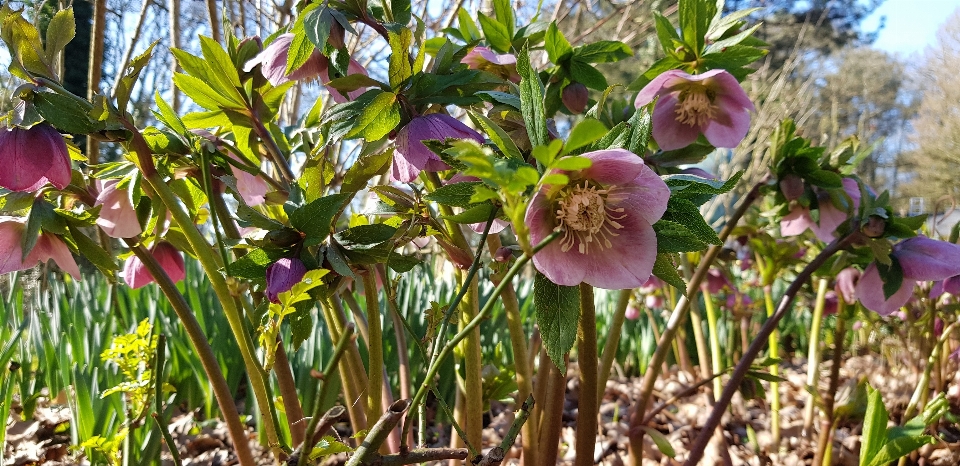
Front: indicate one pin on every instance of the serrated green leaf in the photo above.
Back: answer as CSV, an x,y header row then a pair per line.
x,y
454,194
585,73
675,237
316,24
378,118
253,266
585,133
364,235
558,312
94,253
495,32
603,51
898,448
365,168
315,218
684,212
476,214
874,427
531,100
497,135
60,31
557,46
400,67
64,113
665,270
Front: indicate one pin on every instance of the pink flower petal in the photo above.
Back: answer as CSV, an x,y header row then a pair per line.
x,y
669,133
135,274
629,262
118,218
558,266
411,155
11,232
726,87
353,68
657,85
847,284
922,258
796,222
730,126
50,246
646,195
33,157
171,261
613,166
870,292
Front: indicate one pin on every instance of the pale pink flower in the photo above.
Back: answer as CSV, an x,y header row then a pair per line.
x,y
282,275
847,284
921,259
633,311
503,65
118,217
48,246
653,301
353,68
30,158
605,214
136,275
252,188
712,104
411,155
273,63
831,216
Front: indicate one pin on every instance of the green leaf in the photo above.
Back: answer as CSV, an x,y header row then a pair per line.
x,y
378,118
585,133
585,73
503,10
874,427
253,266
316,24
665,270
684,212
131,75
695,18
531,100
558,311
315,218
498,136
400,67
892,276
495,32
60,31
13,202
476,214
570,163
604,51
221,65
824,179
64,113
365,168
898,448
666,33
675,237
167,116
94,253
364,235
468,29
454,194
662,442
202,94
558,49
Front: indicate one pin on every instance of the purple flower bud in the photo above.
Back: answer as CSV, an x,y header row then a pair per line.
x,y
282,275
874,227
32,157
575,97
831,303
503,254
337,35
792,187
633,311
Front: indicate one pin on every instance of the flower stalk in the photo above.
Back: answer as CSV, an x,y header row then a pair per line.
x,y
774,342
588,403
813,356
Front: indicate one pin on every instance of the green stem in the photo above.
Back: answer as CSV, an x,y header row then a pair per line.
x,y
673,326
207,359
827,424
696,322
379,432
588,404
521,360
613,341
740,372
352,375
474,323
715,360
813,357
774,342
924,384
307,447
374,346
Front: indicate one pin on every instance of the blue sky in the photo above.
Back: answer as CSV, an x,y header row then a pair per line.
x,y
910,25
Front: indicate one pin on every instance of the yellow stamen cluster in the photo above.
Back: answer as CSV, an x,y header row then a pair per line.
x,y
695,107
585,218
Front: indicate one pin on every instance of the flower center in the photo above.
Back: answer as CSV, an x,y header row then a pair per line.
x,y
695,107
585,217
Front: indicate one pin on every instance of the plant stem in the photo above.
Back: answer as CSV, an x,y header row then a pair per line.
x,y
288,393
673,325
813,357
829,398
374,345
551,423
521,361
238,434
774,342
696,452
351,369
588,403
379,432
715,361
312,428
696,322
399,327
434,366
613,341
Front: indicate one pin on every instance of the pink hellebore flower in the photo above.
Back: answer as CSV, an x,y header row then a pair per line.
x,y
48,246
653,301
605,214
498,225
282,275
847,284
712,104
32,157
717,281
136,275
831,216
412,156
353,68
503,65
921,259
273,61
632,312
118,218
252,188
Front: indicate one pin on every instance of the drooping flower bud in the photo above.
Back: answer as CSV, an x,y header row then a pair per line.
x,y
874,227
48,247
282,275
830,303
575,97
411,155
653,301
29,158
136,275
791,186
118,217
503,254
633,311
337,35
